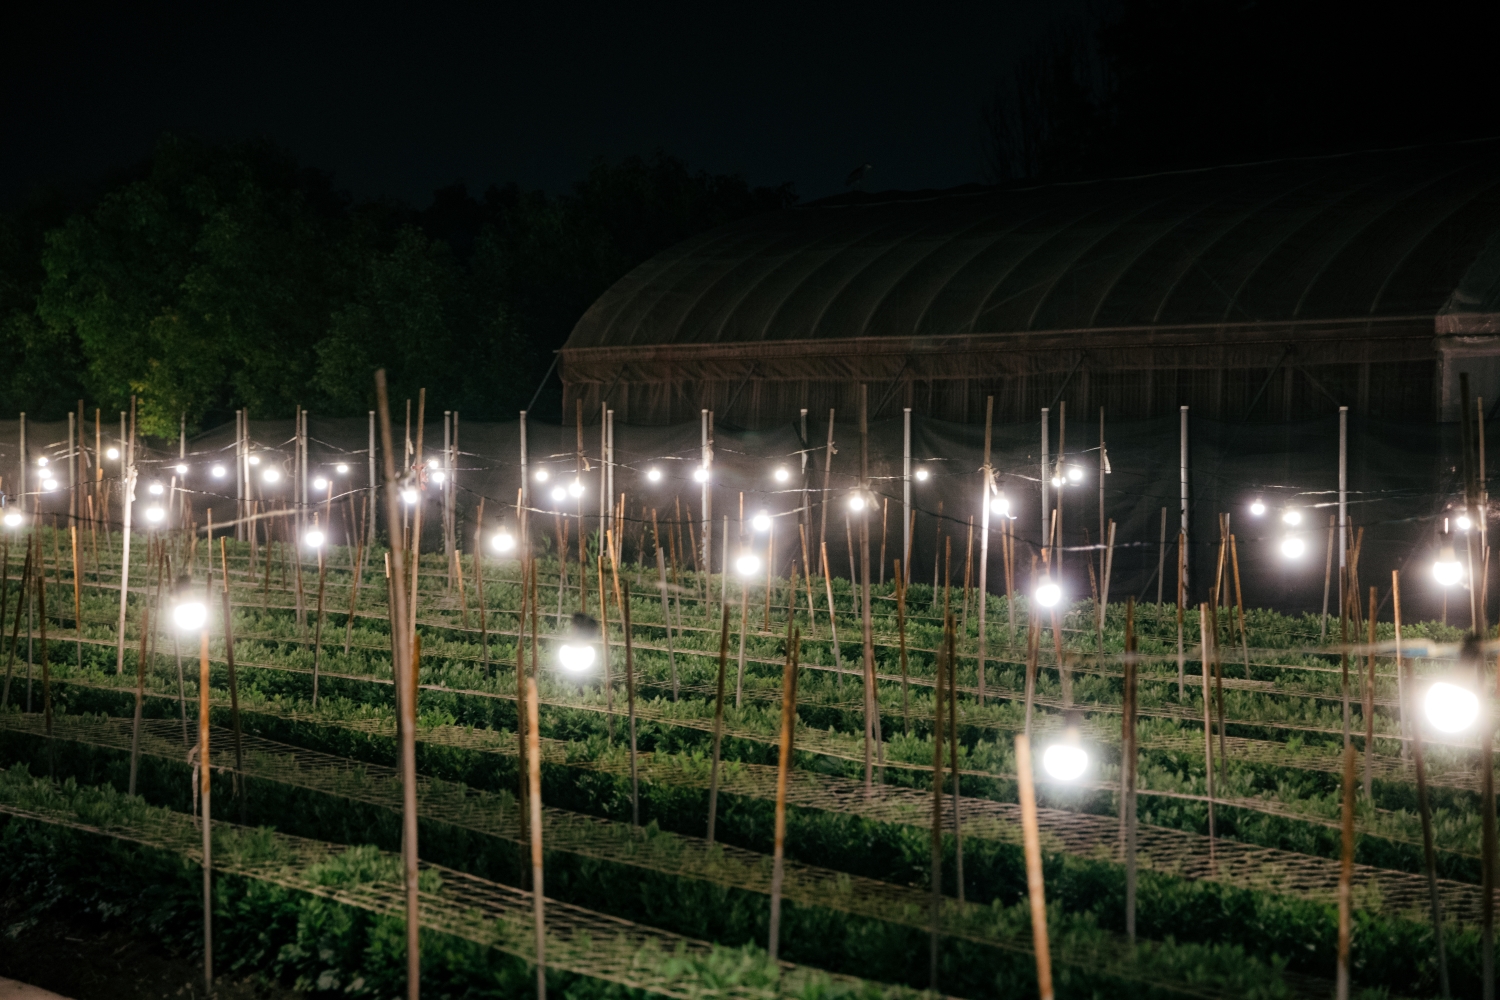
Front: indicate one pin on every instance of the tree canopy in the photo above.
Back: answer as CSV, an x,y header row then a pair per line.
x,y
219,276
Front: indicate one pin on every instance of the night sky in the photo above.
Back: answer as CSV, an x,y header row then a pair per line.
x,y
397,100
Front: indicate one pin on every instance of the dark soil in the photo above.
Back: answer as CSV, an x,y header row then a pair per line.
x,y
85,962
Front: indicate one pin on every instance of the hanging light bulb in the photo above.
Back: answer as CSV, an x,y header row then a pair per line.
x,y
1048,594
856,502
559,494
1291,517
921,475
156,489
1000,505
189,614
13,519
314,539
782,474
409,495
576,654
253,460
700,475
1257,508
432,463
541,475
1075,474
438,477
575,488
503,541
1450,708
1463,522
653,474
155,514
112,454
218,472
1292,547
1065,762
1057,481
1447,570
272,474
761,521
342,469
42,462
748,564
49,484
181,468
320,483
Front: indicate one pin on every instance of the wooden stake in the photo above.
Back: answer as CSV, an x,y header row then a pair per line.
x,y
1346,871
1032,842
484,630
1181,569
900,582
1205,634
234,688
1328,575
812,617
534,782
205,775
1239,602
15,628
318,621
1369,702
713,775
635,783
833,628
609,682
885,510
77,584
938,699
958,834
783,766
41,596
666,607
140,694
1128,770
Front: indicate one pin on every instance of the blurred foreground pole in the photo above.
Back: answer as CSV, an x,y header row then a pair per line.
x,y
1032,841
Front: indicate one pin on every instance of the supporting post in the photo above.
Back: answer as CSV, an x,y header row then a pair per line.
x,y
906,492
783,765
1346,871
204,784
1032,843
1343,500
127,491
872,718
713,775
984,538
1044,479
534,789
935,915
1128,769
1183,477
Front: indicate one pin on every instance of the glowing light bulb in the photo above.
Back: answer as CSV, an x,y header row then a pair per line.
x,y
1257,508
432,463
190,616
921,475
761,521
49,485
1463,522
999,505
559,494
155,489
700,475
271,475
42,462
1447,571
575,658
342,469
782,474
1293,547
1057,480
1450,708
1048,594
13,519
856,502
1065,762
314,539
409,495
1075,474
155,514
320,483
653,475
253,460
575,488
541,475
438,478
503,542
218,472
1292,517
181,468
112,454
748,564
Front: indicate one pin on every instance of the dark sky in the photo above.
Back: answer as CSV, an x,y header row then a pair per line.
x,y
397,100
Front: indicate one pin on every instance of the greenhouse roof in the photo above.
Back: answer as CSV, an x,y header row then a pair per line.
x,y
1375,235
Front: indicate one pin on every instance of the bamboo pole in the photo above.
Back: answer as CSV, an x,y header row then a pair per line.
x,y
1328,575
22,592
885,511
900,583
484,629
1424,807
127,489
1369,702
783,765
140,694
1181,573
318,620
833,628
1128,770
935,916
739,673
958,833
1239,602
666,607
609,681
635,782
1032,842
205,783
1205,635
1346,871
713,775
406,704
234,687
41,596
526,592
534,783
77,591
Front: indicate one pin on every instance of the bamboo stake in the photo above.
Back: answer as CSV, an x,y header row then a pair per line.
x,y
484,631
885,510
234,688
1128,771
1032,842
1346,871
1239,601
1328,576
1369,702
1181,662
205,783
739,674
937,814
22,591
77,592
359,556
635,782
140,693
783,765
900,583
812,617
1424,808
318,621
833,628
521,771
770,567
958,834
534,782
41,596
713,776
609,683
1205,635
405,668
666,608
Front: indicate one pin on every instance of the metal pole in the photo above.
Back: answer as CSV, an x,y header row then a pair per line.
x,y
1343,496
905,495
